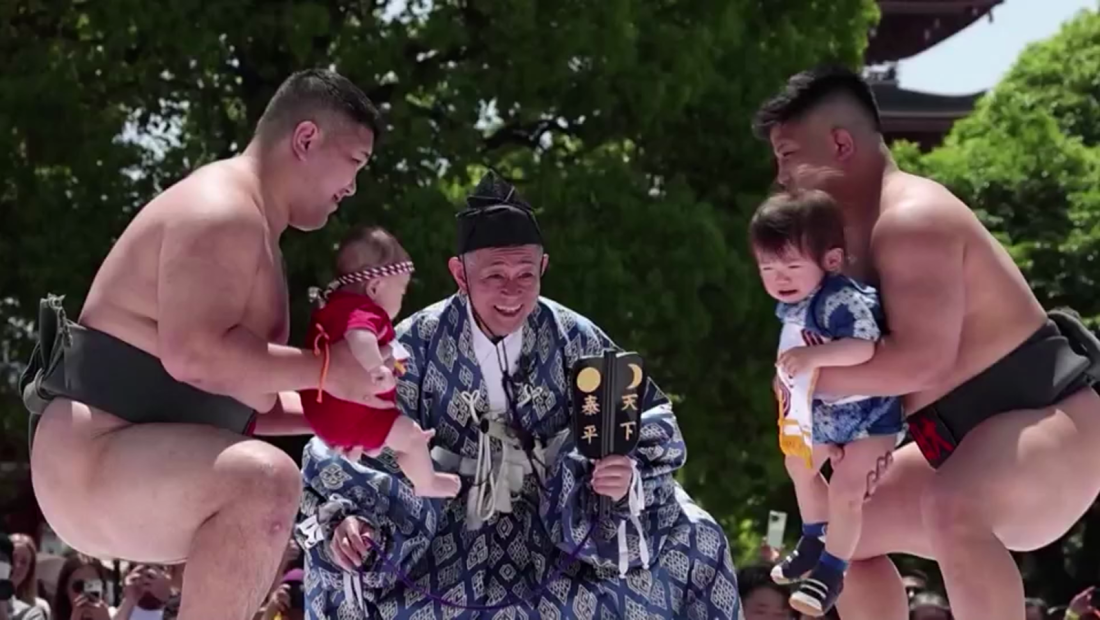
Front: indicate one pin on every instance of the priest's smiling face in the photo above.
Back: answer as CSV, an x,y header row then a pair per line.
x,y
503,284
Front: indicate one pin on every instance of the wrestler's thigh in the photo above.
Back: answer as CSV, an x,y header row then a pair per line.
x,y
891,517
146,489
1029,474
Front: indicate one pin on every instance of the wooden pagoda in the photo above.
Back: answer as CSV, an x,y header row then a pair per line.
x,y
905,29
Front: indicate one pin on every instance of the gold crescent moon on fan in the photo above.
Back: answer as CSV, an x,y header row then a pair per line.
x,y
588,380
636,380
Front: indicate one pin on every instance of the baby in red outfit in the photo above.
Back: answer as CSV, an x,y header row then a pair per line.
x,y
359,307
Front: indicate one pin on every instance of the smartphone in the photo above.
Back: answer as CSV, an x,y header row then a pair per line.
x,y
93,589
777,528
1094,598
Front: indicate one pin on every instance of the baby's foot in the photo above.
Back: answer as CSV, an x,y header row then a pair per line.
x,y
798,564
818,593
439,485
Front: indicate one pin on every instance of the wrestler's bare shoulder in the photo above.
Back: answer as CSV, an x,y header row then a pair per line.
x,y
123,299
912,203
921,224
219,190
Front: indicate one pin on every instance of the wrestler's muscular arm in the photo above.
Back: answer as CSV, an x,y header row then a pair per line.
x,y
209,259
918,254
285,418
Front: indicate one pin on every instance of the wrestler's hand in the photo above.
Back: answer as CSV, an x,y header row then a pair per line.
x,y
612,476
383,378
797,359
347,380
85,608
349,544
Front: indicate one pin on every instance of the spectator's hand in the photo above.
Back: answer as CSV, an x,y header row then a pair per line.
x,y
1080,604
349,544
158,583
134,584
769,555
85,608
278,603
612,476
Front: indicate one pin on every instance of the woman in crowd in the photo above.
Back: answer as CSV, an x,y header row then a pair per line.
x,y
81,590
24,573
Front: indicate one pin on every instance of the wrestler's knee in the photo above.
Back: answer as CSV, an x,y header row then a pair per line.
x,y
261,475
872,589
950,512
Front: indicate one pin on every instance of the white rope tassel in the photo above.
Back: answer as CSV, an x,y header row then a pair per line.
x,y
485,498
311,529
636,504
353,590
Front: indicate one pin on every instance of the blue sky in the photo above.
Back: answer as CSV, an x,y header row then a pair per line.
x,y
976,58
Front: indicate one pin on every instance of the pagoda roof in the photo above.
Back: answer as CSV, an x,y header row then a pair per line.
x,y
893,99
905,111
908,27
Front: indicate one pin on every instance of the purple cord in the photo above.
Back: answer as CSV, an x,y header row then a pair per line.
x,y
516,600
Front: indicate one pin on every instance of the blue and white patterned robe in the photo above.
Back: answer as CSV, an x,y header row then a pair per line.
x,y
517,549
843,308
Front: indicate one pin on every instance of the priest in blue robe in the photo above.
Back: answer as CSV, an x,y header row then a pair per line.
x,y
489,371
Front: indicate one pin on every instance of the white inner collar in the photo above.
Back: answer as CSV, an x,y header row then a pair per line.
x,y
488,359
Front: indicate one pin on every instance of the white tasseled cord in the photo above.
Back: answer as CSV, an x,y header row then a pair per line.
x,y
353,590
485,498
636,503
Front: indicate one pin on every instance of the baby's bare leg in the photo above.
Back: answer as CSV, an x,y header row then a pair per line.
x,y
847,490
410,442
813,506
810,488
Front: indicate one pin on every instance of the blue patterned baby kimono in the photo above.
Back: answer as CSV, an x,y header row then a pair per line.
x,y
505,535
842,308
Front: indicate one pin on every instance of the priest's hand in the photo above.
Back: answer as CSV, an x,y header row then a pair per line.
x,y
612,476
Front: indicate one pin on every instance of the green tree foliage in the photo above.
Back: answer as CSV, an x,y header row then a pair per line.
x,y
1028,162
625,122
